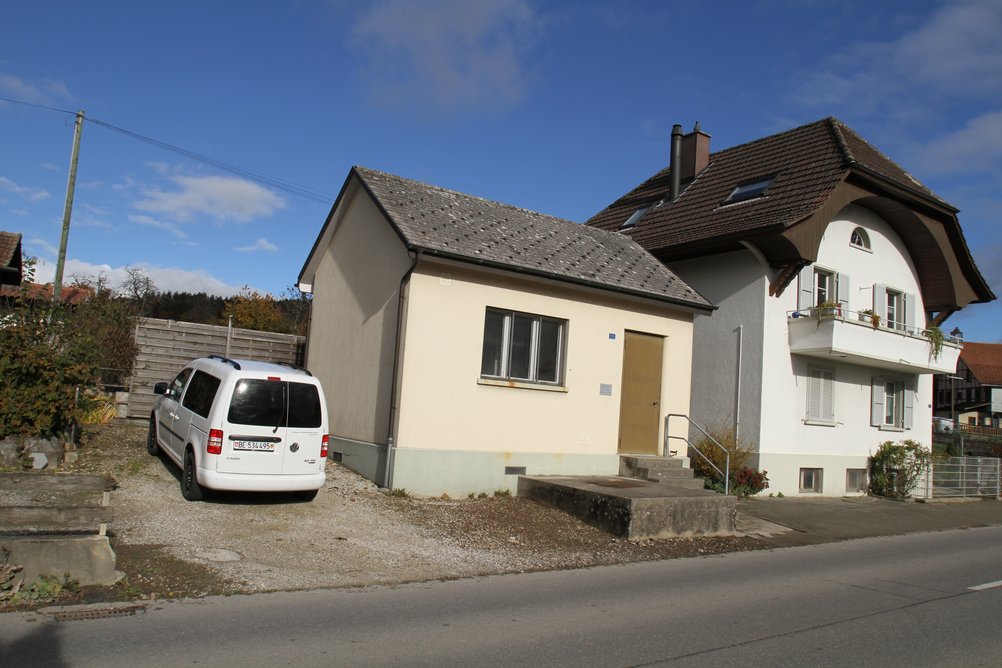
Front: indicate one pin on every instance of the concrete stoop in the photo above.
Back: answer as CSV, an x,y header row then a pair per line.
x,y
634,508
673,471
87,559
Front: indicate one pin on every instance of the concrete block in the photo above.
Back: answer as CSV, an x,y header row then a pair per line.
x,y
634,508
88,559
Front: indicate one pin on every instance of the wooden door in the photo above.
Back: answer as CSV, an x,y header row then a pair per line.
x,y
640,407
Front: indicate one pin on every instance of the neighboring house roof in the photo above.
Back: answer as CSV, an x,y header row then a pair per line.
x,y
816,169
10,258
984,360
456,226
71,294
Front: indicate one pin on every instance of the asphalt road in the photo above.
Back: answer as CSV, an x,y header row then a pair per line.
x,y
917,600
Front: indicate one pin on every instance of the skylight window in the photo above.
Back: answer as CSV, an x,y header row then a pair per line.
x,y
632,220
750,190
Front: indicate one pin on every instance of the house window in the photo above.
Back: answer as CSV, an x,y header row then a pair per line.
x,y
855,480
824,286
859,239
634,217
819,285
810,481
820,396
891,403
521,346
895,309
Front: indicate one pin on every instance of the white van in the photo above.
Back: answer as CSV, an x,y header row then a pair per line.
x,y
242,425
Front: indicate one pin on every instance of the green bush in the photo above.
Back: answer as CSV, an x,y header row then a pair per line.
x,y
40,370
744,480
896,468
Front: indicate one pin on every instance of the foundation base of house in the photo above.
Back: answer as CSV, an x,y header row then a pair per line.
x,y
458,473
634,508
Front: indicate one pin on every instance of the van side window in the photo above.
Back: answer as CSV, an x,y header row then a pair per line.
x,y
177,385
201,393
304,405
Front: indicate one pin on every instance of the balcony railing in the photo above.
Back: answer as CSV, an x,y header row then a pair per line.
x,y
837,334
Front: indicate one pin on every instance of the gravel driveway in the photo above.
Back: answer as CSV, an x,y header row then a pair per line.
x,y
352,534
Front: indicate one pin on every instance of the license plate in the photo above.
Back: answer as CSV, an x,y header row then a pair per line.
x,y
253,445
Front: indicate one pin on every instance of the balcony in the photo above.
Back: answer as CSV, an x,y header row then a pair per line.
x,y
840,335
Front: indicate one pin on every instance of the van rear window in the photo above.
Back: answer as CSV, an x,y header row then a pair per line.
x,y
269,403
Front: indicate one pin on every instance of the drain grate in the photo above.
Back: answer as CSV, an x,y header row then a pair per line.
x,y
97,613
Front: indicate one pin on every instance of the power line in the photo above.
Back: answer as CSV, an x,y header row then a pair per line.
x,y
272,181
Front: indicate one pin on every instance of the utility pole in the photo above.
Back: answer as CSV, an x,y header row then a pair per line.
x,y
57,284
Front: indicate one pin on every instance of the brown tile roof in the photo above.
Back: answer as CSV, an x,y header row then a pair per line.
x,y
70,294
459,226
807,162
984,360
10,258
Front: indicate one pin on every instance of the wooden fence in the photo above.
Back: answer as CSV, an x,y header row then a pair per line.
x,y
167,345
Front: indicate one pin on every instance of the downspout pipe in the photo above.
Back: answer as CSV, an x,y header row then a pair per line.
x,y
388,467
675,162
737,393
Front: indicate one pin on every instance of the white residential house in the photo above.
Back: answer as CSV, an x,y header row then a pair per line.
x,y
770,230
462,342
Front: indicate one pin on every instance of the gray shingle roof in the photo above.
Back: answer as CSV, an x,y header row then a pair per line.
x,y
463,227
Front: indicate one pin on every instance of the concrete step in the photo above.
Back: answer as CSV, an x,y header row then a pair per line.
x,y
685,483
634,508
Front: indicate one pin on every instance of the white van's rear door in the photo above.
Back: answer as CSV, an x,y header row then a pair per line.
x,y
305,430
255,436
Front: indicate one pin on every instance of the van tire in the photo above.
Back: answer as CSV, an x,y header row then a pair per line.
x,y
190,489
151,438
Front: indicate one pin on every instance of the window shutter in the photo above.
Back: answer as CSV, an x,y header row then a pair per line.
x,y
910,324
880,302
828,396
909,410
805,296
842,283
876,401
820,395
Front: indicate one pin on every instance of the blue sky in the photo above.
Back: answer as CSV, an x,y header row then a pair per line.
x,y
556,106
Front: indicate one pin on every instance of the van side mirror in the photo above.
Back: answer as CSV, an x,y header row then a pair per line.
x,y
160,388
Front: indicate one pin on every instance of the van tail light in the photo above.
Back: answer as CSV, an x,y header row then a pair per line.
x,y
215,445
324,442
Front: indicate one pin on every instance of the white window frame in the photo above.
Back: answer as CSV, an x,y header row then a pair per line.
x,y
864,239
892,403
817,480
896,308
856,488
836,290
534,342
820,394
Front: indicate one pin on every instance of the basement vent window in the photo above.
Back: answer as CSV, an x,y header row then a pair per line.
x,y
749,190
632,220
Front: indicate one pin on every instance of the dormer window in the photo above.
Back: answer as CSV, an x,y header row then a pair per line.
x,y
749,190
859,239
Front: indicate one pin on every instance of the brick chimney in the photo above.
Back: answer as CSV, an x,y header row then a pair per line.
x,y
695,154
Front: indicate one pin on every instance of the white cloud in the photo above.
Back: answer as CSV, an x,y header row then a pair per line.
x,y
977,147
29,194
149,221
224,198
166,279
446,56
957,51
30,246
46,91
261,245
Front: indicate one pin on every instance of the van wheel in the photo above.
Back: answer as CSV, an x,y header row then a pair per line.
x,y
190,489
307,495
151,438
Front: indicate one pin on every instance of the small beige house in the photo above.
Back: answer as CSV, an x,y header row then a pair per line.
x,y
462,342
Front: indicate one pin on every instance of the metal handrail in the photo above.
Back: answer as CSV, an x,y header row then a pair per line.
x,y
727,455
